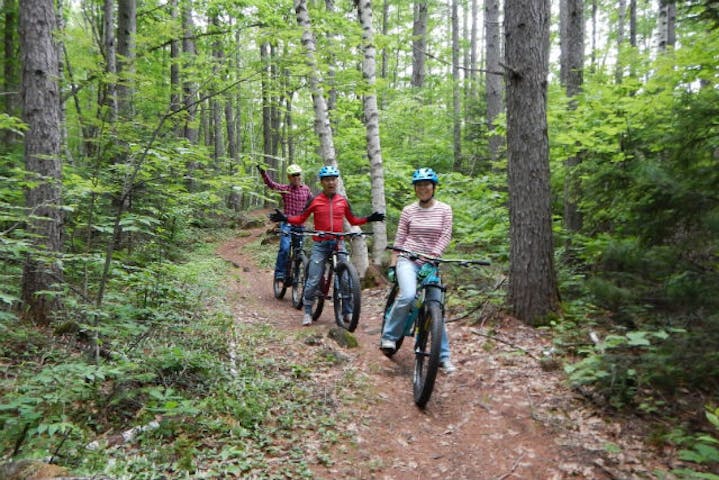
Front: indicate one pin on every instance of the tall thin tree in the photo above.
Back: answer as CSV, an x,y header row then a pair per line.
x,y
371,120
41,112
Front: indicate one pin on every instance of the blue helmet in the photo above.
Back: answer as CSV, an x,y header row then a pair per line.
x,y
329,171
422,174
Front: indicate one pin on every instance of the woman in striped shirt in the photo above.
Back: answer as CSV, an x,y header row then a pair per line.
x,y
425,226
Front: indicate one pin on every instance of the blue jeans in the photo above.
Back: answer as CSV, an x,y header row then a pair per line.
x,y
321,251
283,254
394,325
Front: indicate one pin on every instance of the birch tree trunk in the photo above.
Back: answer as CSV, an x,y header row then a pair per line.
x,y
41,112
533,292
322,121
371,118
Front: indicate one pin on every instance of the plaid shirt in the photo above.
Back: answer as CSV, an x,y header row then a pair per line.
x,y
294,198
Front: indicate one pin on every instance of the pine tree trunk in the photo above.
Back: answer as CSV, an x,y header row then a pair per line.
x,y
533,293
419,42
494,78
571,33
41,112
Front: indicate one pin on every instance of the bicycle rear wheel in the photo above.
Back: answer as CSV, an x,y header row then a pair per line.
x,y
426,350
347,296
298,280
387,308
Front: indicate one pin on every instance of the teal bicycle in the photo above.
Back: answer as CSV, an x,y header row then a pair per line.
x,y
425,321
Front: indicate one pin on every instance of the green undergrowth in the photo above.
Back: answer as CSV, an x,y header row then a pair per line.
x,y
207,396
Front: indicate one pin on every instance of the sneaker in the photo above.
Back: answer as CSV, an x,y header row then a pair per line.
x,y
388,344
307,319
447,366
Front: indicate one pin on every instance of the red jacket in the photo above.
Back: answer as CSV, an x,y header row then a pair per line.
x,y
328,214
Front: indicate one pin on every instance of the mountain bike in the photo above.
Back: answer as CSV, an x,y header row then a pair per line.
x,y
425,320
296,269
341,276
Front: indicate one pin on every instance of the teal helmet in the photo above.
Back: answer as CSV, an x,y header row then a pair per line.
x,y
329,171
422,174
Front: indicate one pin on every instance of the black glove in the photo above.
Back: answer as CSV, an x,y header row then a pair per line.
x,y
278,216
260,169
376,217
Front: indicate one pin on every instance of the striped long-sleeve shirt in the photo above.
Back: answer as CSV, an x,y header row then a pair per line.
x,y
294,197
425,230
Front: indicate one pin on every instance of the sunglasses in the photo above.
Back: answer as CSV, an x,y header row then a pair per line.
x,y
295,175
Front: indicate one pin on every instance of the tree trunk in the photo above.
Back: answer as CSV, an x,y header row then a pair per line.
x,y
41,112
419,42
371,118
494,79
322,122
110,93
126,33
189,87
667,24
456,91
571,34
533,293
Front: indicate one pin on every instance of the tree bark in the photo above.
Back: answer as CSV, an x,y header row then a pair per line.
x,y
571,34
419,42
41,112
371,118
533,294
456,92
494,80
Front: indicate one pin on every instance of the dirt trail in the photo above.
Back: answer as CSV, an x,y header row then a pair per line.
x,y
500,416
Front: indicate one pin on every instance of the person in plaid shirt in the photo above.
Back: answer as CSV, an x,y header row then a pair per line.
x,y
295,196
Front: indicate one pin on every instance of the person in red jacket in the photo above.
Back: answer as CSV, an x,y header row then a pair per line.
x,y
329,208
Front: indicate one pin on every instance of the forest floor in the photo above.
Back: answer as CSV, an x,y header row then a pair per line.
x,y
500,416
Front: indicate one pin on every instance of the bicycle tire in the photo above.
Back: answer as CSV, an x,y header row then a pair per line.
x,y
387,307
321,292
427,349
279,288
347,290
298,280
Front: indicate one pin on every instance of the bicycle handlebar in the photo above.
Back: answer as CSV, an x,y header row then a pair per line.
x,y
312,233
417,255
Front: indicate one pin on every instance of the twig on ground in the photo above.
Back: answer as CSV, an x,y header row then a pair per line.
x,y
514,467
493,337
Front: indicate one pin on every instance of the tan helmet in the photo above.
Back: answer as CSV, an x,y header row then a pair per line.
x,y
293,169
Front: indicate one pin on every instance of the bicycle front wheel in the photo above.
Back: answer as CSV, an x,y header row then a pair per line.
x,y
279,288
321,292
298,280
426,351
347,296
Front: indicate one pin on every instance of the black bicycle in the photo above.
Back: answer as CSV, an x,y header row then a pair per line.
x,y
340,274
425,321
296,269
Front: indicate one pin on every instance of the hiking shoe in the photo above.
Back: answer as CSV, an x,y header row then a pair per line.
x,y
447,366
307,319
388,345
